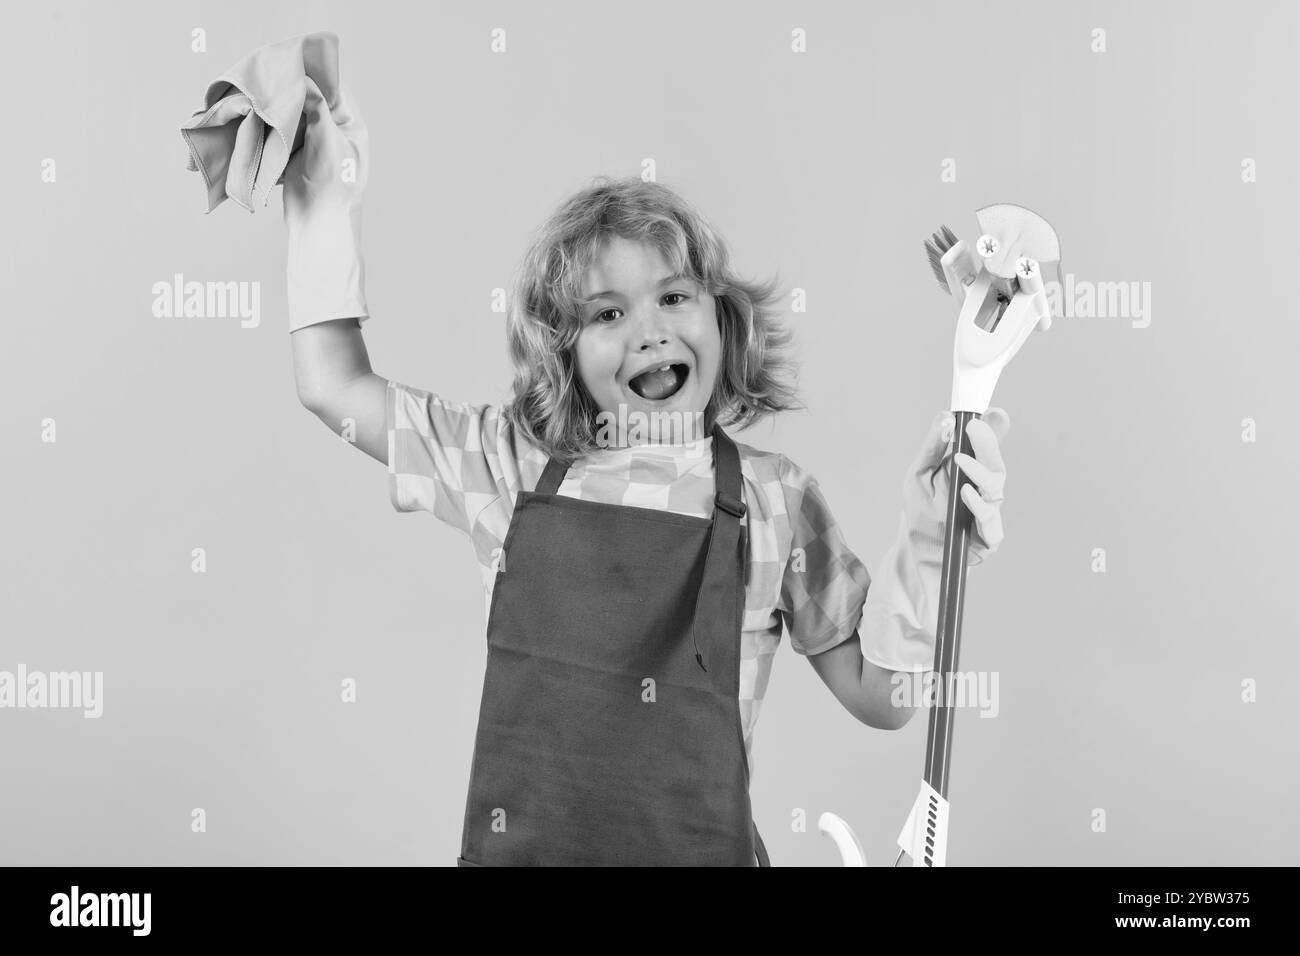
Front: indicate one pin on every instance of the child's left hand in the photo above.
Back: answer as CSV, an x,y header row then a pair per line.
x,y
926,493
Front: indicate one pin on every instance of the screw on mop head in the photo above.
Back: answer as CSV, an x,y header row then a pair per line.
x,y
1000,285
1017,233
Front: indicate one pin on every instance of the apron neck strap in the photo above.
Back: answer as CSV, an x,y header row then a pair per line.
x,y
729,494
551,477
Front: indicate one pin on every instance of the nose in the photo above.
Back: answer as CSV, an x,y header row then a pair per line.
x,y
652,331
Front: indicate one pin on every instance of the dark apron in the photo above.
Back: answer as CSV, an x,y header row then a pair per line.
x,y
609,731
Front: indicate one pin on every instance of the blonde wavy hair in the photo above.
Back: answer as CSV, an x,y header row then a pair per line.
x,y
550,405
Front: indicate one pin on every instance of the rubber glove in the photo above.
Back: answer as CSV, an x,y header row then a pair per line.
x,y
900,617
323,184
925,491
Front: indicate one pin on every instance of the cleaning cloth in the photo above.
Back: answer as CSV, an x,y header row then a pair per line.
x,y
251,122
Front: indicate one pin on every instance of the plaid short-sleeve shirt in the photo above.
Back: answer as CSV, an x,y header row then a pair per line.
x,y
464,463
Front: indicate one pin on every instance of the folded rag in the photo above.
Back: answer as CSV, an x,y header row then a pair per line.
x,y
251,122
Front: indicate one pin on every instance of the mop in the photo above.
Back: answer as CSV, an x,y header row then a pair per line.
x,y
999,286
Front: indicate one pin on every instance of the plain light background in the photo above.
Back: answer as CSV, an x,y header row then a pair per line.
x,y
1120,691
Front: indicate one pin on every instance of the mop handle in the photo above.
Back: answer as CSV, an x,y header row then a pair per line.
x,y
925,834
952,600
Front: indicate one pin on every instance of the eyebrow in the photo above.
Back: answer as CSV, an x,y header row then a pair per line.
x,y
608,292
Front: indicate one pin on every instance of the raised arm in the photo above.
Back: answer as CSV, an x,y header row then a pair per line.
x,y
335,382
325,278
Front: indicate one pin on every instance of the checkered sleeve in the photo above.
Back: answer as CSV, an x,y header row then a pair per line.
x,y
451,459
824,585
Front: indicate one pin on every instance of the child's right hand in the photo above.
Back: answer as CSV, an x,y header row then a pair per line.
x,y
323,185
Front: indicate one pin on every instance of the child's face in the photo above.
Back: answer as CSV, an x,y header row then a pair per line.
x,y
639,325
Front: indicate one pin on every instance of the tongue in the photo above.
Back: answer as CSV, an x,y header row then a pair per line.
x,y
657,385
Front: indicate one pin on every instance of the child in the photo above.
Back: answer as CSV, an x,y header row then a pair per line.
x,y
637,580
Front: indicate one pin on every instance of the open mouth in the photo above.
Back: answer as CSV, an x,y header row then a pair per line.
x,y
657,384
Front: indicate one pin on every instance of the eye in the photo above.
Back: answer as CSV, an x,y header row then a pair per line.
x,y
600,316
